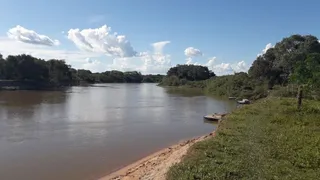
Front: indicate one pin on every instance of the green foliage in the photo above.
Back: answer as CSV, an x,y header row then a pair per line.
x,y
28,68
278,63
307,72
149,78
237,85
266,140
284,91
190,72
170,81
58,73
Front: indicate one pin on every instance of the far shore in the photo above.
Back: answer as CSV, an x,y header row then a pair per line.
x,y
156,165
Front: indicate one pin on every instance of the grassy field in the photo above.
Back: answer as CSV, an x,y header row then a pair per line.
x,y
266,140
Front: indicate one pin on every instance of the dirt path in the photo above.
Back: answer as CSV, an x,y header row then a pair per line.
x,y
155,166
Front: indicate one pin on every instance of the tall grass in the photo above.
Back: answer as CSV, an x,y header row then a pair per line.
x,y
266,140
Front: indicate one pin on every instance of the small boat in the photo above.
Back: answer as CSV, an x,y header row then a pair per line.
x,y
244,101
214,117
231,98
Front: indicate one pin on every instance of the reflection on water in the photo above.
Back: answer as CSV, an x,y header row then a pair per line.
x,y
214,123
87,132
184,91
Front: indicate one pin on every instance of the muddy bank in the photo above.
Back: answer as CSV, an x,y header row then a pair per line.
x,y
155,166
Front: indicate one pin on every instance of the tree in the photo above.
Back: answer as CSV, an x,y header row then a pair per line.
x,y
190,72
278,62
56,72
2,68
30,68
132,77
59,72
86,75
149,78
307,75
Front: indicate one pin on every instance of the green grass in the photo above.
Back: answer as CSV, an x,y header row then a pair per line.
x,y
266,140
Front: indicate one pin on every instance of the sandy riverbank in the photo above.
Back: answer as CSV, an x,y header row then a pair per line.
x,y
155,166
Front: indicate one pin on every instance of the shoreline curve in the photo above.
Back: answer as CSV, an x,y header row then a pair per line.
x,y
156,165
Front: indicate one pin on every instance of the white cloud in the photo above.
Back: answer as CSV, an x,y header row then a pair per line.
x,y
211,62
12,47
94,65
97,43
226,68
222,69
102,40
152,62
155,62
100,50
192,52
22,34
189,61
268,46
241,67
158,46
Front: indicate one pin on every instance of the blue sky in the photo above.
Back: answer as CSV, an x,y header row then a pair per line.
x,y
229,33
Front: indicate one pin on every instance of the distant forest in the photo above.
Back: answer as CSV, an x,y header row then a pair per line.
x,y
57,73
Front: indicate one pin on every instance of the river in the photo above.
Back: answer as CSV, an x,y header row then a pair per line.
x,y
83,133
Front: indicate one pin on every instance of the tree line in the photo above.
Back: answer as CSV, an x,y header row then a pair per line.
x,y
58,73
292,62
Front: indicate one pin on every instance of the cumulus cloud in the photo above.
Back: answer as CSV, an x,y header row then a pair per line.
x,y
222,69
211,62
192,52
102,40
189,61
158,46
268,46
22,34
154,62
241,67
226,68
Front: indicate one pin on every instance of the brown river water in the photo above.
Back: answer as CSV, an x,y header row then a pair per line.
x,y
83,133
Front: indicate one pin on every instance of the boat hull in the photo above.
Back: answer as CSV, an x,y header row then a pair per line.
x,y
211,118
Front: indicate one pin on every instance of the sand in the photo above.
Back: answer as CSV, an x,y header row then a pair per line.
x,y
155,166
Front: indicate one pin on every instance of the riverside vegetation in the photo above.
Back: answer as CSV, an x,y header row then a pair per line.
x,y
54,73
292,63
272,139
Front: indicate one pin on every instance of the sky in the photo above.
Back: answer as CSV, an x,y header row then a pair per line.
x,y
151,36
